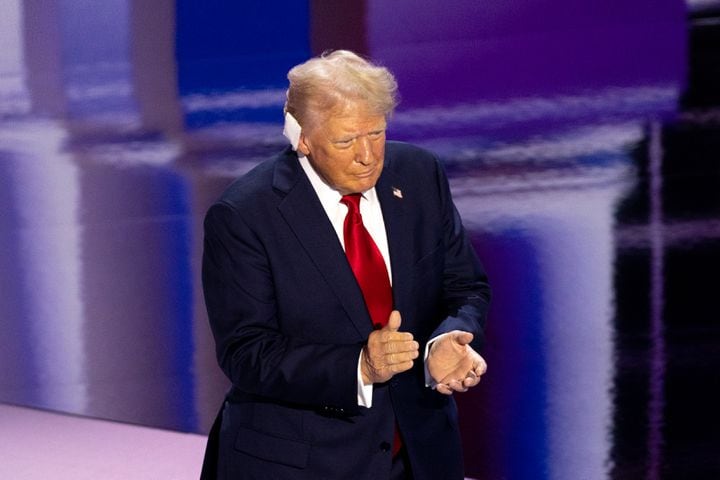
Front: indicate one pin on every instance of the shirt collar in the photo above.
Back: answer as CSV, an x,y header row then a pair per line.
x,y
329,197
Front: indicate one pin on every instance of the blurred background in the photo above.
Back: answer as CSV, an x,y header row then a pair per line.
x,y
582,140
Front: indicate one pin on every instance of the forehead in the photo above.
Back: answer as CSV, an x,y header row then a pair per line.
x,y
351,118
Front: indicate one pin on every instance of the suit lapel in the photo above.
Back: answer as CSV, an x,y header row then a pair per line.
x,y
397,226
303,212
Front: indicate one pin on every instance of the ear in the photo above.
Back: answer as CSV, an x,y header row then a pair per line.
x,y
303,145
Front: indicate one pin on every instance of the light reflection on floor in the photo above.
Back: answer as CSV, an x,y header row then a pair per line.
x,y
596,211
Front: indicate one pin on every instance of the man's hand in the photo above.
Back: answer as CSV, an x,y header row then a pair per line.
x,y
388,352
453,363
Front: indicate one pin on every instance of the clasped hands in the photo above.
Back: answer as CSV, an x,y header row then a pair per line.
x,y
451,362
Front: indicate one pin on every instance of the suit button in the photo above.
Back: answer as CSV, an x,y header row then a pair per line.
x,y
385,447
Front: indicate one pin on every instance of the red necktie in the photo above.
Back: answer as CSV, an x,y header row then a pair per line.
x,y
370,272
367,263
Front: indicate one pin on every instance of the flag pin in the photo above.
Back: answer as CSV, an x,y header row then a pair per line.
x,y
397,192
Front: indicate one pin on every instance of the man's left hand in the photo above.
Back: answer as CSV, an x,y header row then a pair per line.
x,y
453,364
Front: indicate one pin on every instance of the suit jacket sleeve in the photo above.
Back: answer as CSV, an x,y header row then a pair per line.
x,y
466,292
252,349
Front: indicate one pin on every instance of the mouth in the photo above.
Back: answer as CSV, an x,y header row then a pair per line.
x,y
366,174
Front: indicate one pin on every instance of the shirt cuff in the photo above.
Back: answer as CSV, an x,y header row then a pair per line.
x,y
364,392
429,382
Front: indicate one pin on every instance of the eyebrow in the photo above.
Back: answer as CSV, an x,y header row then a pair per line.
x,y
353,136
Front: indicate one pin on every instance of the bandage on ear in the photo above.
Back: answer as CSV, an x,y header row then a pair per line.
x,y
292,130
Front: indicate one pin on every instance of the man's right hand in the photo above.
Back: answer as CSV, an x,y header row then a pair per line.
x,y
388,352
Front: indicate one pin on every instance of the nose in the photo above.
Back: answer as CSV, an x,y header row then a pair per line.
x,y
363,150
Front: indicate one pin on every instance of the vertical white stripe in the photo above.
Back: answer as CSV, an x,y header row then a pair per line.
x,y
47,200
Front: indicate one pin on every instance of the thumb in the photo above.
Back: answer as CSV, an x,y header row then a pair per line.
x,y
463,338
394,321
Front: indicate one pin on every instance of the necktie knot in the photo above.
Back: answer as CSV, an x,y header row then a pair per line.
x,y
352,201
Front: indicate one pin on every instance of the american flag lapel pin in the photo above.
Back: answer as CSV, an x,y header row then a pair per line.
x,y
397,192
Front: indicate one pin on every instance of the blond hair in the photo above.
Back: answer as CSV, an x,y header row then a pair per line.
x,y
330,81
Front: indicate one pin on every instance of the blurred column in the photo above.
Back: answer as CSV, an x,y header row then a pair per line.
x,y
154,74
43,56
124,118
42,238
101,214
14,102
209,381
549,252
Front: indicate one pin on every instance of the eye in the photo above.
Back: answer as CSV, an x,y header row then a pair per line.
x,y
376,134
343,143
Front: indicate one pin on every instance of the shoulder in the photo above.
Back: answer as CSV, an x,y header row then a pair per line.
x,y
248,186
412,162
252,198
255,187
402,151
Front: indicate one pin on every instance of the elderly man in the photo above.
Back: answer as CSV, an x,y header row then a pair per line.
x,y
345,299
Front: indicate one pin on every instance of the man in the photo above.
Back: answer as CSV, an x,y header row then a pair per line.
x,y
345,299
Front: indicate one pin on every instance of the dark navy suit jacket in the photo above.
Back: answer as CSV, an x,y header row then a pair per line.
x,y
289,322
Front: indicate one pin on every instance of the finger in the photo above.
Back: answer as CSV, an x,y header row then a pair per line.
x,y
394,321
401,367
481,368
457,386
402,346
463,338
444,389
388,336
375,337
470,381
398,358
456,376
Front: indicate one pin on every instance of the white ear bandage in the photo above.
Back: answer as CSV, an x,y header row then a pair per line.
x,y
292,130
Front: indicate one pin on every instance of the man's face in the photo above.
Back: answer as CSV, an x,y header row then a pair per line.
x,y
347,149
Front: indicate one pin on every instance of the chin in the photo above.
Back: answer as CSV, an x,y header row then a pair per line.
x,y
366,186
358,186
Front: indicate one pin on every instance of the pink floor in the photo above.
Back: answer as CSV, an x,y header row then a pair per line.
x,y
40,445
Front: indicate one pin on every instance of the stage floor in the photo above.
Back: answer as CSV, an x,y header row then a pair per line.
x,y
36,444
